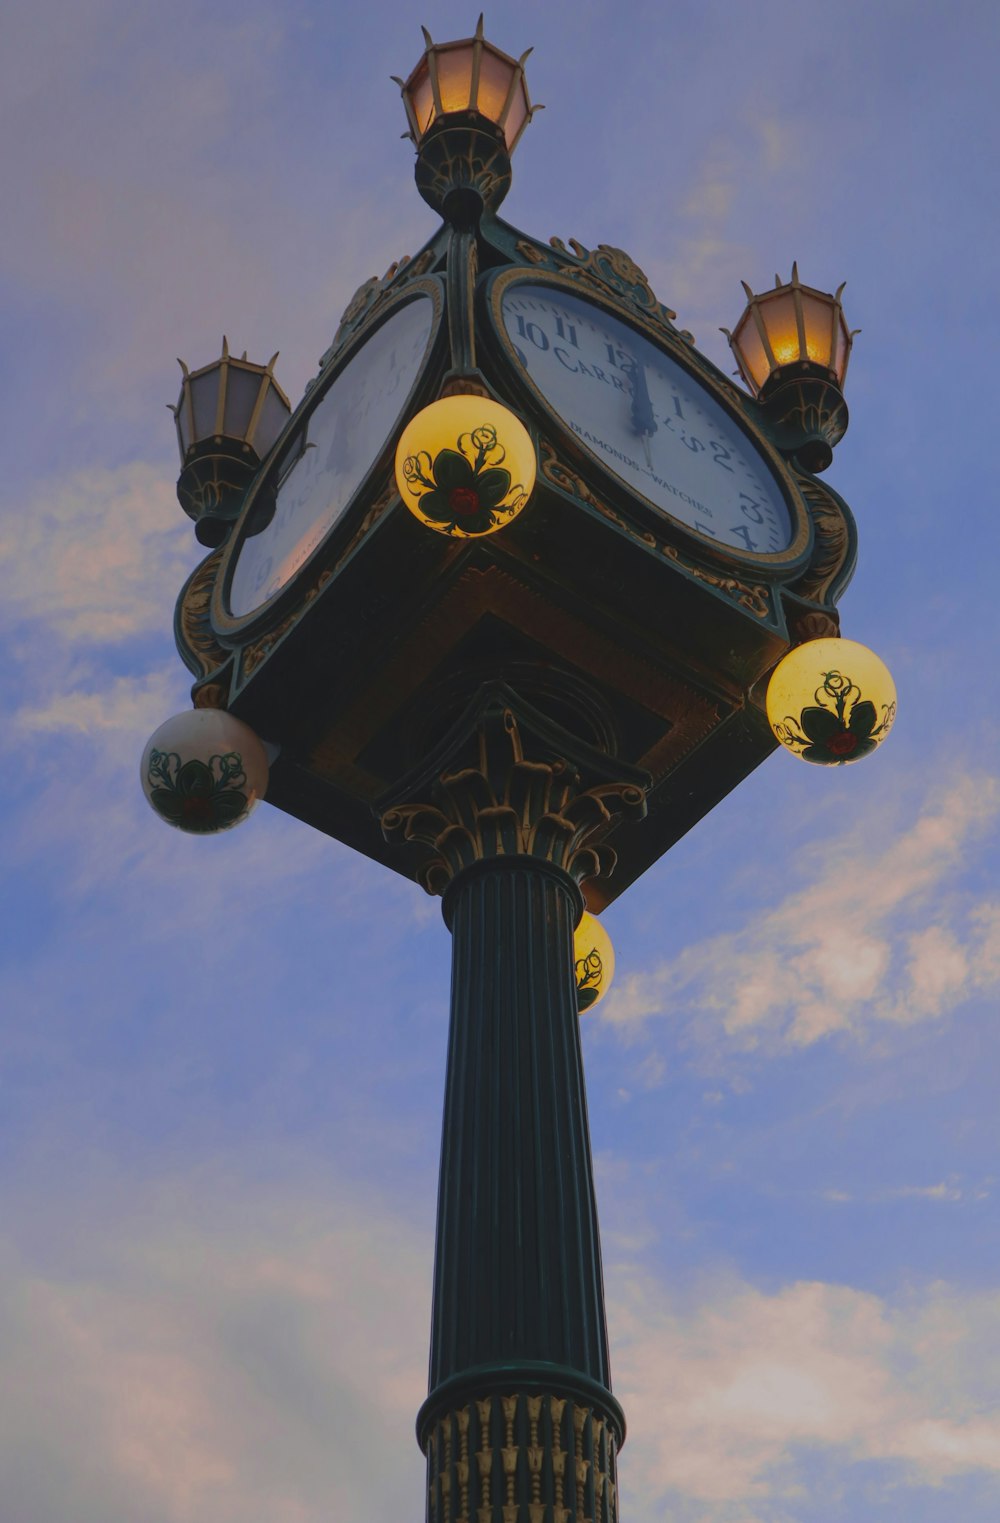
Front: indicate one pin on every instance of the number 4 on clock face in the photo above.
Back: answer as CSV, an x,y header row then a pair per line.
x,y
646,418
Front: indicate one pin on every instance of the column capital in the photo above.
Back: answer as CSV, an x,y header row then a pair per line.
x,y
507,782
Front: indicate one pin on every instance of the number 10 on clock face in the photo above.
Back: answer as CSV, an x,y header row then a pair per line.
x,y
647,418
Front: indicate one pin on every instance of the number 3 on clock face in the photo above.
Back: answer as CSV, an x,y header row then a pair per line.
x,y
646,418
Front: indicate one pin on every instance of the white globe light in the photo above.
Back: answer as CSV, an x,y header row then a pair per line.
x,y
204,771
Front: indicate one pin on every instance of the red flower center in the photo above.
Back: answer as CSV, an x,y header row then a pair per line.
x,y
197,809
463,501
843,743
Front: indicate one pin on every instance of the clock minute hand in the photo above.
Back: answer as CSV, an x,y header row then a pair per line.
x,y
643,421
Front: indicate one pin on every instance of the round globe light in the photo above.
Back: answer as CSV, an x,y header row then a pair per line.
x,y
594,959
204,771
831,701
465,466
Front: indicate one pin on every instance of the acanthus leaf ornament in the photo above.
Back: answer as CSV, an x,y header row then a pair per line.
x,y
557,809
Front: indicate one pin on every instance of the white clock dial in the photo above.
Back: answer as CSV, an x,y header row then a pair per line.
x,y
328,456
647,419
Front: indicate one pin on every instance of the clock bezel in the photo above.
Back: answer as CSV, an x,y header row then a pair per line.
x,y
229,625
796,554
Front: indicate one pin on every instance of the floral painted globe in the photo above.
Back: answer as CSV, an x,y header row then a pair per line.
x,y
593,961
831,701
465,466
204,771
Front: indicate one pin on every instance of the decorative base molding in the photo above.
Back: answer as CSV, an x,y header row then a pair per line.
x,y
522,1459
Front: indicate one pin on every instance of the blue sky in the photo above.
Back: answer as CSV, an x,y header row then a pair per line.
x,y
222,1060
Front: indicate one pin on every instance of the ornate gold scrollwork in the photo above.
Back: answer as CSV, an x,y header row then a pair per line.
x,y
197,643
754,597
605,268
833,540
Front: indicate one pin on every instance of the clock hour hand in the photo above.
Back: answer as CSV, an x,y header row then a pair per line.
x,y
643,421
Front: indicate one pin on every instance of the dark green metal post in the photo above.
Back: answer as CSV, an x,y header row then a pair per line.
x,y
520,1425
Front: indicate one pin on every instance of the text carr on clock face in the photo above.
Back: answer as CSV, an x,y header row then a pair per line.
x,y
647,419
326,458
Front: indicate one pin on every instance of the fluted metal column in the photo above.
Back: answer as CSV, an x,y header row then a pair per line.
x,y
518,1270
520,1424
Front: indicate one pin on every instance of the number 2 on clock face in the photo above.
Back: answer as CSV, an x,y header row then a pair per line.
x,y
646,418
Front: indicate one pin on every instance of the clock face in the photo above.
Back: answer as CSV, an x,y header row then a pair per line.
x,y
326,459
647,419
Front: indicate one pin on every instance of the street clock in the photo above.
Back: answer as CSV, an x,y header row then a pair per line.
x,y
521,589
674,547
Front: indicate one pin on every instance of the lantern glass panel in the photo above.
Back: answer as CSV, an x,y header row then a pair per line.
x,y
518,115
241,396
818,317
752,351
183,417
273,417
205,397
778,312
422,98
454,71
494,85
841,346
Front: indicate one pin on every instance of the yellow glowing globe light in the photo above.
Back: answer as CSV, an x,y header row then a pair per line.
x,y
465,466
594,961
831,701
204,771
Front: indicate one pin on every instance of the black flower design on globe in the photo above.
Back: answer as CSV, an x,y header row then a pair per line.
x,y
589,977
200,797
465,490
839,727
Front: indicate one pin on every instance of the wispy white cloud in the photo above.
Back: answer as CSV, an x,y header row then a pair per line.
x,y
881,934
950,1191
232,1352
732,1399
240,1361
123,706
96,557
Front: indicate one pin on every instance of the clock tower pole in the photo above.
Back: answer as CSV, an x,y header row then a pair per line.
x,y
520,1413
